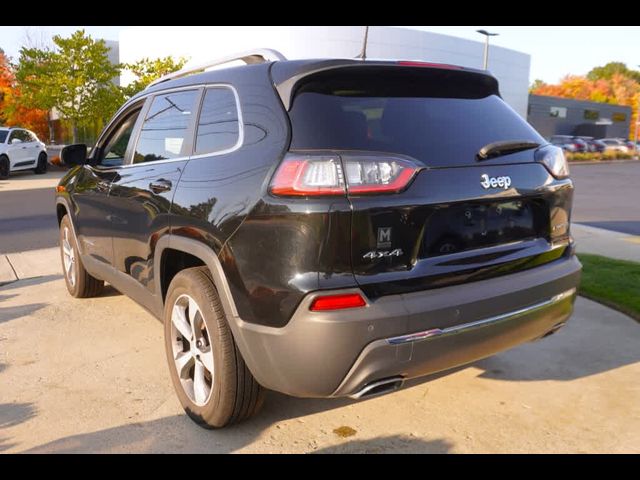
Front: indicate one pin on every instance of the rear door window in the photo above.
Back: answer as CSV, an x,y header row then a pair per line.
x,y
165,128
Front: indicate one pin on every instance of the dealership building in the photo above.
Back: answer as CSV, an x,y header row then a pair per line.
x,y
564,116
201,44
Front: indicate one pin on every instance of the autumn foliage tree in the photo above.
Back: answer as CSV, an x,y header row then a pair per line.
x,y
612,83
13,113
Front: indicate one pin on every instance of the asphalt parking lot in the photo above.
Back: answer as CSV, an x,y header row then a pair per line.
x,y
90,375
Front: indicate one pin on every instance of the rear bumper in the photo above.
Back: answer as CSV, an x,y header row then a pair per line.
x,y
340,353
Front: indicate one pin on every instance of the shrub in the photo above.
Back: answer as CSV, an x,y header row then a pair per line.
x,y
596,157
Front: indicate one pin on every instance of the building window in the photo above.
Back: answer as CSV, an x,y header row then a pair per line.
x,y
619,117
591,114
558,112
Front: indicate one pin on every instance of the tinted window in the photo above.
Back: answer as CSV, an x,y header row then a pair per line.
x,y
20,135
218,124
3,135
31,137
441,121
114,151
619,117
591,114
165,127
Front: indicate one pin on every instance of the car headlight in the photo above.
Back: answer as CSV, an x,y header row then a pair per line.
x,y
553,159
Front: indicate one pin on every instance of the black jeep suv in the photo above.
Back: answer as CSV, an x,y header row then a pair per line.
x,y
323,228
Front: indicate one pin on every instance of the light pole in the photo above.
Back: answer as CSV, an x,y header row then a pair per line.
x,y
486,45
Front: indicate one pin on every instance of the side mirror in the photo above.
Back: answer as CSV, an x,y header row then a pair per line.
x,y
15,141
74,155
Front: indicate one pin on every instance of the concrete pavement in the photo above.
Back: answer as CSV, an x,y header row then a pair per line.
x,y
90,376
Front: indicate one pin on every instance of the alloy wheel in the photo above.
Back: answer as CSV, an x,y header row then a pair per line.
x,y
69,257
192,350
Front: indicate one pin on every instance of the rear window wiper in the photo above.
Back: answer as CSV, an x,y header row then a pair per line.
x,y
505,147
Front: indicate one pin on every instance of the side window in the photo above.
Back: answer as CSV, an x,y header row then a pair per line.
x,y
165,127
218,127
114,150
20,135
30,137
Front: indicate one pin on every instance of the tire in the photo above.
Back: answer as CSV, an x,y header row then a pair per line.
x,y
80,283
5,167
42,165
228,392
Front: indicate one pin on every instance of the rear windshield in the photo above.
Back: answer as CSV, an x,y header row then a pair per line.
x,y
433,119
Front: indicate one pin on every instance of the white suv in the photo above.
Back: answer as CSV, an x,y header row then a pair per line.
x,y
21,149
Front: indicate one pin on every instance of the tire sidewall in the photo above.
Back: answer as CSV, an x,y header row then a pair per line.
x,y
73,290
5,166
41,166
219,408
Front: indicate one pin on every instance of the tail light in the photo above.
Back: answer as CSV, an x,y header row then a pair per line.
x,y
312,175
337,302
554,160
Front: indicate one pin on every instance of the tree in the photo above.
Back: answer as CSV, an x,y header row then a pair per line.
x,y
146,71
75,78
12,112
607,71
537,83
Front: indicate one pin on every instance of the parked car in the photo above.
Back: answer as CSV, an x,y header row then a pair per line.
x,y
20,149
592,144
566,143
320,228
631,145
615,145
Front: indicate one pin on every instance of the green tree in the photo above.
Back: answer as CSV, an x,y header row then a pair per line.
x,y
146,71
75,78
537,83
607,71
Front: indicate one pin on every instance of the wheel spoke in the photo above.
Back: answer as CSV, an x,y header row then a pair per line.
x,y
206,357
200,388
193,310
69,268
183,361
179,320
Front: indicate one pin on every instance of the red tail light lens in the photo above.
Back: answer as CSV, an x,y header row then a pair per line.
x,y
311,175
408,63
337,302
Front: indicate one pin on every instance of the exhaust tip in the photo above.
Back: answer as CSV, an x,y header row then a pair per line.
x,y
379,387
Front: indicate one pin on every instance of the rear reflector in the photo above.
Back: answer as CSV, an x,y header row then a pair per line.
x,y
337,302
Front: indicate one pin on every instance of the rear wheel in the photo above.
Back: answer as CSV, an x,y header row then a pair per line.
x,y
4,167
212,382
80,283
41,166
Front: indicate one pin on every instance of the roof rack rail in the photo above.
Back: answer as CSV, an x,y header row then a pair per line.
x,y
259,55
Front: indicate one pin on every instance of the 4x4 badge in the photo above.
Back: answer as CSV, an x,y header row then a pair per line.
x,y
383,253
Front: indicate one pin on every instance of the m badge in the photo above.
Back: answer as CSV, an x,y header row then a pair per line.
x,y
384,237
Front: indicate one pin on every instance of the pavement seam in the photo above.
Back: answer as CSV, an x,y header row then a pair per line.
x,y
12,268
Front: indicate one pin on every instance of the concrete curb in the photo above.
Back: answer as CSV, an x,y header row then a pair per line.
x,y
31,264
607,243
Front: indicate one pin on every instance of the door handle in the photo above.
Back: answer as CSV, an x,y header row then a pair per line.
x,y
161,185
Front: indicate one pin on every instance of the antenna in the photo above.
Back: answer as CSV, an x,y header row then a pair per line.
x,y
363,52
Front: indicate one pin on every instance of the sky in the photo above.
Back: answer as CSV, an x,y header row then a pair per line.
x,y
555,51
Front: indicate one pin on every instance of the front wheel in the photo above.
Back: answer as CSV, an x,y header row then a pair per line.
x,y
4,167
212,382
80,283
41,166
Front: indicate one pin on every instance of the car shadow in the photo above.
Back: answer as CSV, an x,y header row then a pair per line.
x,y
598,342
390,444
11,313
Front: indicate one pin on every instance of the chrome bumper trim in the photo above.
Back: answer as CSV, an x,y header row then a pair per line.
x,y
465,327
